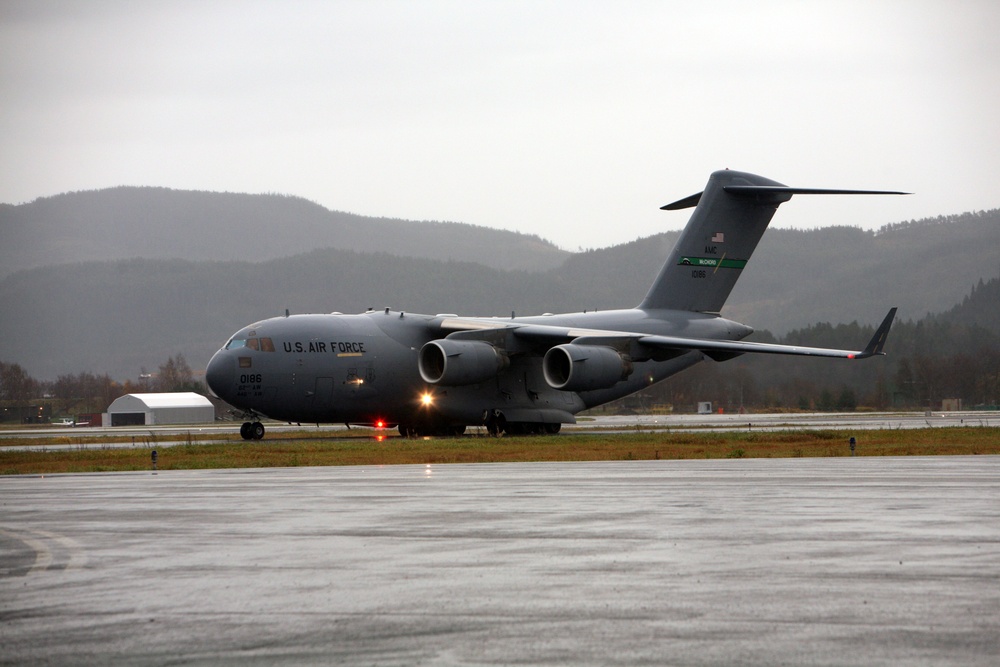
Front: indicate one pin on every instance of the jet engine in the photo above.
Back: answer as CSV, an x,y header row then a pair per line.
x,y
584,367
458,362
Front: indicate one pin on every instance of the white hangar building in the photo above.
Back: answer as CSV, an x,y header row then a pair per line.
x,y
167,408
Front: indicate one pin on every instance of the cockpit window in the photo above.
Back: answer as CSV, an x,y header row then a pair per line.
x,y
260,344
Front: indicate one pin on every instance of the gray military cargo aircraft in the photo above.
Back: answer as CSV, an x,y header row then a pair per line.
x,y
438,374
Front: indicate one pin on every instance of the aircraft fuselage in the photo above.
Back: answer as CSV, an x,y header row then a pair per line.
x,y
363,369
441,373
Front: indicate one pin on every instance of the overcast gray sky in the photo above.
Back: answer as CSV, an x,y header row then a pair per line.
x,y
571,120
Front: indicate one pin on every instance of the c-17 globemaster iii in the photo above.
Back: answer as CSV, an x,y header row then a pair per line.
x,y
438,374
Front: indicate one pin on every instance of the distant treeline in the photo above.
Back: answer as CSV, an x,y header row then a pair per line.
x,y
26,399
954,355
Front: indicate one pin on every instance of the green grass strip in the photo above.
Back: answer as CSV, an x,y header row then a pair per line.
x,y
296,450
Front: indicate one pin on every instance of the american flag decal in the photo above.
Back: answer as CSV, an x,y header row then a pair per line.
x,y
719,237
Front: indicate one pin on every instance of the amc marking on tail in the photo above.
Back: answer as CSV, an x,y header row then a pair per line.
x,y
714,262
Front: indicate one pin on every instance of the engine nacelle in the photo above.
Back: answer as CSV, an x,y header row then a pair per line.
x,y
584,367
458,362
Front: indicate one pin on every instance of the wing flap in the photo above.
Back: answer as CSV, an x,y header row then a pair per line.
x,y
725,349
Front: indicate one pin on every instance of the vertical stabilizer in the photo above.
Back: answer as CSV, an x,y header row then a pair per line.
x,y
722,233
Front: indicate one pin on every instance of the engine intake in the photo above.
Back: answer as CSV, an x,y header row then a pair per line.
x,y
458,362
584,367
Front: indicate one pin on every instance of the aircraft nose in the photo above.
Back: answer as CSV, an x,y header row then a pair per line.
x,y
219,374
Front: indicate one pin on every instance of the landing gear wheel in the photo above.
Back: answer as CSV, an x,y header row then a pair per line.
x,y
496,424
252,431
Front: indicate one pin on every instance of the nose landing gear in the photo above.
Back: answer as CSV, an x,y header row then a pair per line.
x,y
252,431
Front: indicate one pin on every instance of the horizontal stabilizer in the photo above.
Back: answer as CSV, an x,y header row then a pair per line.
x,y
784,190
687,202
759,190
729,218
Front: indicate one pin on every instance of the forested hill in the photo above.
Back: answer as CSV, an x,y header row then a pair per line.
x,y
923,267
834,274
980,308
159,223
119,316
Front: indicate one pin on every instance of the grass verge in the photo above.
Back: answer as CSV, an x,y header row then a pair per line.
x,y
293,451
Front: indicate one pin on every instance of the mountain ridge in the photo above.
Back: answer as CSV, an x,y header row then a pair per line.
x,y
120,314
162,223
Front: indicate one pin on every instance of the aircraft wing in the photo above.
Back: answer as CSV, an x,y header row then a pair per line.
x,y
716,349
724,349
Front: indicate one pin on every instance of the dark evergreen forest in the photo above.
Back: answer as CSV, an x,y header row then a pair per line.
x,y
952,355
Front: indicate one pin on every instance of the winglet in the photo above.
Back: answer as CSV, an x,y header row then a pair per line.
x,y
877,342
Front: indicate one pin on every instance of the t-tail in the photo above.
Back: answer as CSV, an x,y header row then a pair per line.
x,y
729,218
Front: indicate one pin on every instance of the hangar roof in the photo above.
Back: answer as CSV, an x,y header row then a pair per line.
x,y
184,399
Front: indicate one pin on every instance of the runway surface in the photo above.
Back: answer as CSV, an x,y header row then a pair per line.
x,y
865,561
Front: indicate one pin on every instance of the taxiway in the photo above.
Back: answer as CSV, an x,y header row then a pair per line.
x,y
159,436
865,561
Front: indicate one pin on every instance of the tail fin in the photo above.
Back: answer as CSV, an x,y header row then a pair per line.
x,y
711,252
728,221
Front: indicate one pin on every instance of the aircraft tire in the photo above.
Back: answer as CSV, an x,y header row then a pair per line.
x,y
529,428
257,431
497,425
245,431
431,430
522,428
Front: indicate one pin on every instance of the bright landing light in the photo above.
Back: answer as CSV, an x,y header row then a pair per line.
x,y
426,398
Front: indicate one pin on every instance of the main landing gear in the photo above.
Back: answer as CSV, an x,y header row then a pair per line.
x,y
432,430
496,424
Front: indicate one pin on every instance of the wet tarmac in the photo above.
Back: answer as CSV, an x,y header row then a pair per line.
x,y
864,561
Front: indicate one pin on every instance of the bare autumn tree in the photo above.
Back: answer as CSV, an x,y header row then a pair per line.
x,y
16,384
86,392
175,375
